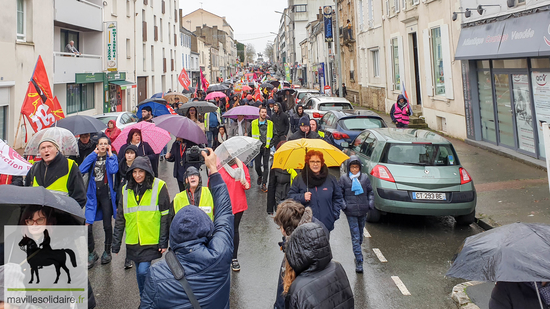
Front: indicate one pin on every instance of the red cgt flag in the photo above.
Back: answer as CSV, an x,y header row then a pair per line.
x,y
204,82
39,107
184,80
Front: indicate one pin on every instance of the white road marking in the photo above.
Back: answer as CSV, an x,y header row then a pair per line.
x,y
366,233
379,255
400,285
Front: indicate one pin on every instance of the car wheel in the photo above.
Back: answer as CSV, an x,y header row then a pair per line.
x,y
374,216
466,219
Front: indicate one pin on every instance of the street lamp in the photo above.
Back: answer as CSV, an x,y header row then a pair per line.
x,y
282,13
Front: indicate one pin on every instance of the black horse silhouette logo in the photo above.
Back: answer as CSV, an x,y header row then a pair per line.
x,y
38,257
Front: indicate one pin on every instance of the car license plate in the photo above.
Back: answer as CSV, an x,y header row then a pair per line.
x,y
429,196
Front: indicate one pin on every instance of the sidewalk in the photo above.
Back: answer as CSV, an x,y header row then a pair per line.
x,y
508,191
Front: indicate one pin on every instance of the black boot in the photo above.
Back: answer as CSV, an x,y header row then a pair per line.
x,y
127,263
92,257
106,256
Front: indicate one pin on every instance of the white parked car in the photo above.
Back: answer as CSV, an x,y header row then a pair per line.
x,y
122,119
317,106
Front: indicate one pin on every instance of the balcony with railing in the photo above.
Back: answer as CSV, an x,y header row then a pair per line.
x,y
82,14
67,64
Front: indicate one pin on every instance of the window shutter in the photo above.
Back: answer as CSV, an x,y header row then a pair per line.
x,y
390,63
427,62
446,50
401,59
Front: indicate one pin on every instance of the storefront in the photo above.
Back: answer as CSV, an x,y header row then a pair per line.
x,y
505,68
119,93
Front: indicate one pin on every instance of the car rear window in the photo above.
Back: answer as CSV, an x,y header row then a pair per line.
x,y
303,94
419,154
361,123
106,119
334,106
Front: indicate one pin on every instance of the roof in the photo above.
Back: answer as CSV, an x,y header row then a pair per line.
x,y
356,112
410,135
221,17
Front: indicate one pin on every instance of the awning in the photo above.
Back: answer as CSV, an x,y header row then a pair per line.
x,y
122,82
526,36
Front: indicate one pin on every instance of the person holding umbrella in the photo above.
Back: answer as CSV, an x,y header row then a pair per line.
x,y
57,173
177,155
262,129
241,127
101,166
86,145
143,213
144,149
316,188
192,114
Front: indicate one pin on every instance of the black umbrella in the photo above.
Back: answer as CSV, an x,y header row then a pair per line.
x,y
267,85
285,91
516,252
201,106
80,124
275,83
191,90
21,196
217,87
156,100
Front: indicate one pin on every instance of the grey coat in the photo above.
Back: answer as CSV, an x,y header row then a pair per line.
x,y
234,128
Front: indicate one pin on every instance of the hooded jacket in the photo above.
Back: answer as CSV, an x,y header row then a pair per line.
x,y
236,189
277,189
138,253
281,125
295,118
299,134
94,213
179,159
392,111
84,150
356,205
326,199
506,295
144,149
113,133
204,249
320,282
58,167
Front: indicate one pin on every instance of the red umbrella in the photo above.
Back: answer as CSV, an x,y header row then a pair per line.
x,y
214,95
156,137
246,88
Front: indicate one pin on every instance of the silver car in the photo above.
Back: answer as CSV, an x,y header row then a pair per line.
x,y
122,119
316,107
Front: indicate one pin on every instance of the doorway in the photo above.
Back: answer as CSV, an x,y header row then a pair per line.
x,y
142,89
515,125
416,68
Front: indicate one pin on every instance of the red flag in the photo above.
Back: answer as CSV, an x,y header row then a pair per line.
x,y
170,109
184,80
39,106
204,82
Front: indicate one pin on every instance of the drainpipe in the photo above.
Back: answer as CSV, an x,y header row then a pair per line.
x,y
339,56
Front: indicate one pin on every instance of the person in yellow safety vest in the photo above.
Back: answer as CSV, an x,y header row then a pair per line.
x,y
57,173
143,212
280,181
195,194
315,127
262,129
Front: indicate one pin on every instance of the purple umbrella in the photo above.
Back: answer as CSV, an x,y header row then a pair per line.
x,y
248,111
182,127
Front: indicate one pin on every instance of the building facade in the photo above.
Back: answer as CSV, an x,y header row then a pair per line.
x,y
504,51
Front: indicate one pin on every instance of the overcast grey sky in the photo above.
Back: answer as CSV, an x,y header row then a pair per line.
x,y
252,20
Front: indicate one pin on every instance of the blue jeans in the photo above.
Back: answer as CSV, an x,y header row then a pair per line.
x,y
141,273
210,136
164,150
356,226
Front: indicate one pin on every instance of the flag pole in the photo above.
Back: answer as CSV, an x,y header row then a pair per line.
x,y
17,131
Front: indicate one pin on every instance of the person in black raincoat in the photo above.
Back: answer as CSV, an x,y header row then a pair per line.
x,y
359,198
144,243
312,279
295,116
279,184
177,155
86,145
316,188
281,124
144,149
520,295
304,130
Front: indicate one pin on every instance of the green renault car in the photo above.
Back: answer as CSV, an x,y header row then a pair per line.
x,y
414,172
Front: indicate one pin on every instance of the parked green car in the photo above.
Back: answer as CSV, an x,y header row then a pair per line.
x,y
414,172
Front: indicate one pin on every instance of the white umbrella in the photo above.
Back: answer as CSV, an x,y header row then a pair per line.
x,y
64,138
243,148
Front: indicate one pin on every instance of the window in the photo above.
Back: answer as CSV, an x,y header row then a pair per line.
x,y
437,62
128,49
144,51
359,141
395,6
4,122
160,25
361,15
21,20
300,8
66,37
152,58
415,2
419,154
369,145
375,63
114,7
128,8
80,97
371,14
395,64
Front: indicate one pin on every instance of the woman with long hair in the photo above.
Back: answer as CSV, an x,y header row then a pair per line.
x,y
194,116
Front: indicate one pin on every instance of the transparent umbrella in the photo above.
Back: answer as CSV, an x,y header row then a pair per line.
x,y
243,148
64,138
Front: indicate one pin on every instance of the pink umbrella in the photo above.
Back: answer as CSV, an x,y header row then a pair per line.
x,y
156,137
246,88
214,95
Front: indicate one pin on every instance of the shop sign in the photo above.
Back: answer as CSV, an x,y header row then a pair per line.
x,y
112,76
84,78
541,95
111,44
327,18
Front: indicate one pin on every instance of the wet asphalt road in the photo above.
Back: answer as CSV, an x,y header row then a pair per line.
x,y
418,251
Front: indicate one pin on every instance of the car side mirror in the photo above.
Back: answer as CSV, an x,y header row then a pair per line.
x,y
344,144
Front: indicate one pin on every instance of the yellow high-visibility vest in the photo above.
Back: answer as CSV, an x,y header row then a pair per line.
x,y
61,184
206,203
255,129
